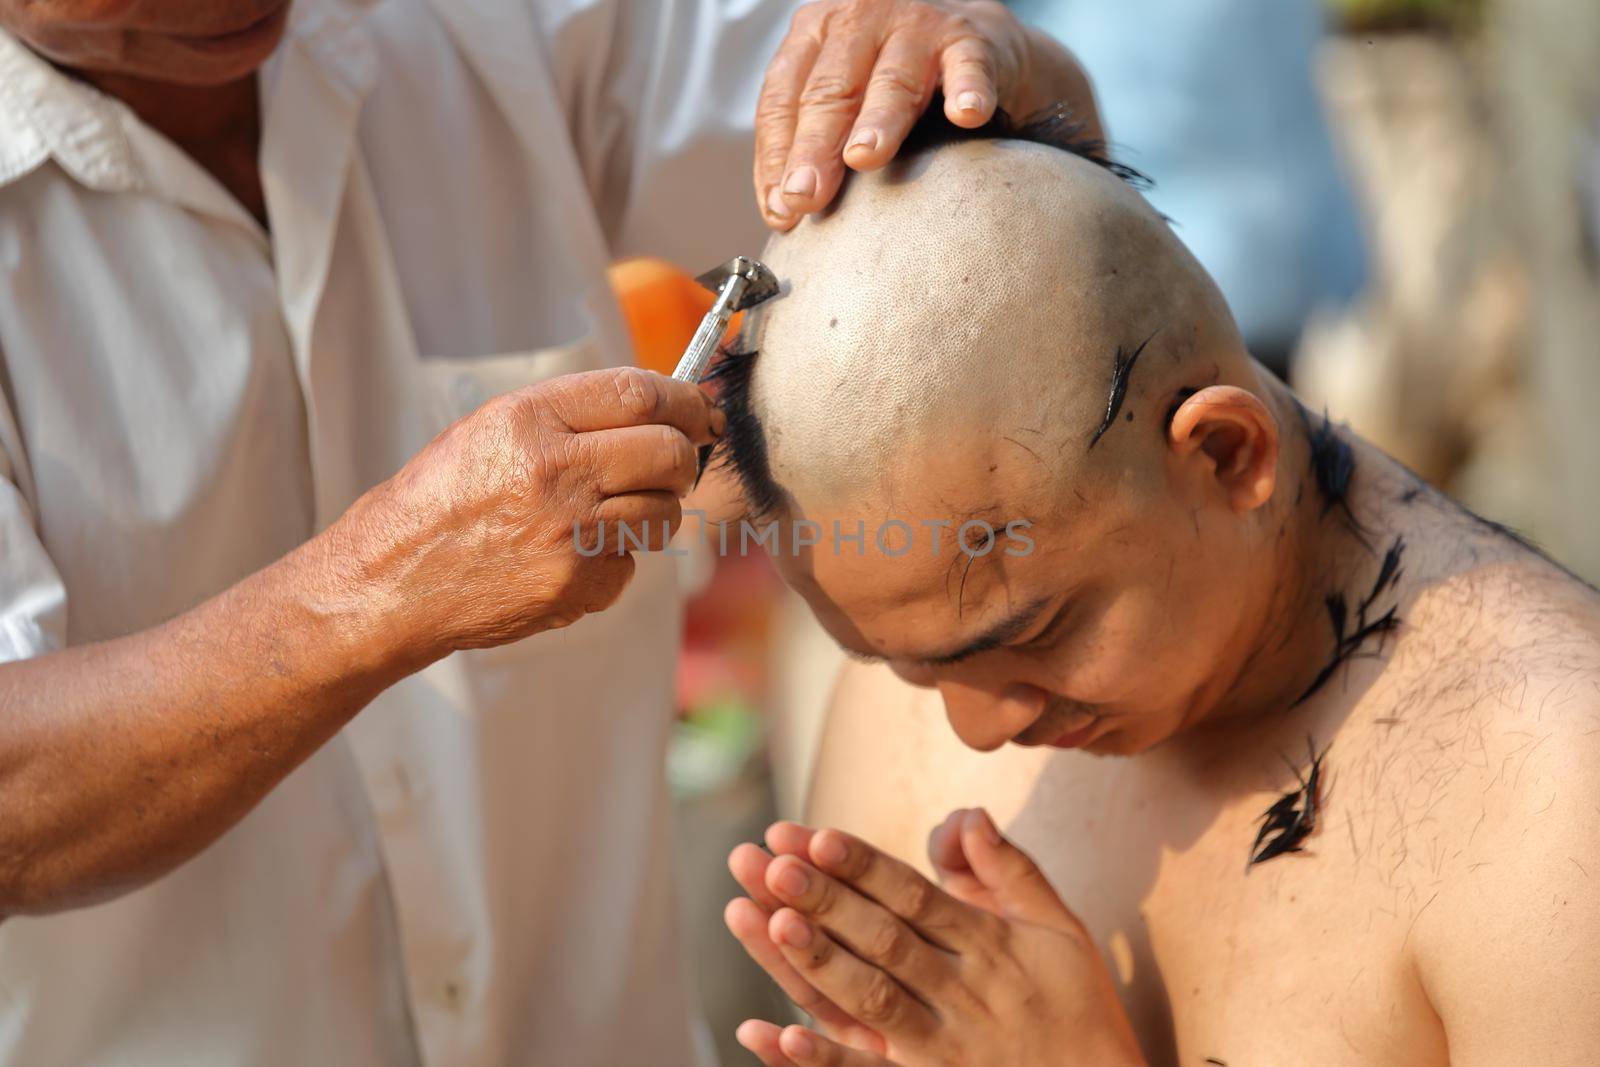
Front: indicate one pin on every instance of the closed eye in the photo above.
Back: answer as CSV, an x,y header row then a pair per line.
x,y
1052,630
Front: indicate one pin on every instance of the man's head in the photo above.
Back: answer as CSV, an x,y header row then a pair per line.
x,y
183,42
998,333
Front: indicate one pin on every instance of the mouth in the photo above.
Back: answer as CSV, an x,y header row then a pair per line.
x,y
1074,738
1036,736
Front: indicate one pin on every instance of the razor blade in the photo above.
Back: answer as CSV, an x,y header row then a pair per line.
x,y
740,284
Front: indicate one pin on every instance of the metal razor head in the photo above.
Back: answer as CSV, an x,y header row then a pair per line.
x,y
761,284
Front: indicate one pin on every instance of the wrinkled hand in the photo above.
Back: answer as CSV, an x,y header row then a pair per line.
x,y
473,542
897,972
853,76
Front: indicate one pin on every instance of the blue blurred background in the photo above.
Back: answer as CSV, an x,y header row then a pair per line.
x,y
1216,101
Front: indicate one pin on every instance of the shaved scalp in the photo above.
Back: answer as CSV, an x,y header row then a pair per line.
x,y
983,296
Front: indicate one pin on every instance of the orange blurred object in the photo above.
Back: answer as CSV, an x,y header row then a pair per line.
x,y
663,306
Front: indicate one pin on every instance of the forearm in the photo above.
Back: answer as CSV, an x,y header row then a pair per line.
x,y
121,760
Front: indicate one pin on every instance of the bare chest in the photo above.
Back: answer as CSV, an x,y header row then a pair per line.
x,y
1298,959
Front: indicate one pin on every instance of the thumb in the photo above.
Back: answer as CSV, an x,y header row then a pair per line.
x,y
949,859
1017,885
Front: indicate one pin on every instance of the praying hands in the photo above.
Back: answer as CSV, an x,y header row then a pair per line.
x,y
899,972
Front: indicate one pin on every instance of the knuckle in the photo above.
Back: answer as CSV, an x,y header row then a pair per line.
x,y
775,109
880,1001
830,90
959,24
917,900
968,65
890,944
857,859
780,87
772,160
894,80
824,898
682,450
820,954
638,391
968,56
538,464
549,403
808,15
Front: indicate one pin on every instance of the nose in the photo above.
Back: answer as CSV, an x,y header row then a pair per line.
x,y
984,719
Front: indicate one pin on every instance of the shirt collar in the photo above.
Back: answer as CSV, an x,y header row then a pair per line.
x,y
103,145
44,114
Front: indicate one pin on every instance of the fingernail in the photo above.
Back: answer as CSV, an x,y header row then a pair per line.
x,y
798,1043
791,881
801,182
775,203
866,137
831,852
797,933
970,101
719,421
991,832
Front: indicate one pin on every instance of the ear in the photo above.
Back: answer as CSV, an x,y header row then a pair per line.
x,y
1233,431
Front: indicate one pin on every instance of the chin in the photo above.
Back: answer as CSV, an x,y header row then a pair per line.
x,y
200,62
1115,744
1140,736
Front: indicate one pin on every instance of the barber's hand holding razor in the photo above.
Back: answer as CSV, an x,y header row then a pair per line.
x,y
476,541
853,77
898,972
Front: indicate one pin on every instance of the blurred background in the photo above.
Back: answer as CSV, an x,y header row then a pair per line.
x,y
1401,201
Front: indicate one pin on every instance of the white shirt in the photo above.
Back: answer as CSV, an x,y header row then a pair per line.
x,y
477,870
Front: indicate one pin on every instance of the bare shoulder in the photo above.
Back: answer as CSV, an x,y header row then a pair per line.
x,y
874,738
1488,711
890,768
1484,766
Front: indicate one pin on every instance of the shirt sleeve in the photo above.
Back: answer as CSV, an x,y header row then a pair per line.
x,y
660,97
33,600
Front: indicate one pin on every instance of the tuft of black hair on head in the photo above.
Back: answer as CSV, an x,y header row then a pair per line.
x,y
1121,371
744,444
1055,126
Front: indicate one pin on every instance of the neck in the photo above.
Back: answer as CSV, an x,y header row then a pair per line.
x,y
218,126
1325,552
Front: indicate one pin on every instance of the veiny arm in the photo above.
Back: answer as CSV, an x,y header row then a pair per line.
x,y
118,761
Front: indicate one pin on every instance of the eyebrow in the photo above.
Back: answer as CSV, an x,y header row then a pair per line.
x,y
995,636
